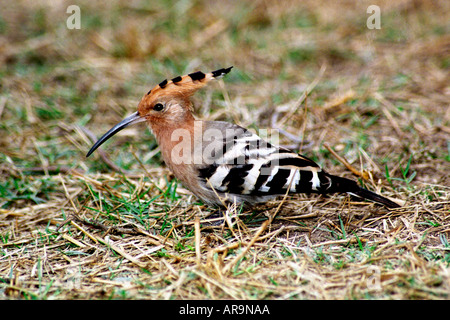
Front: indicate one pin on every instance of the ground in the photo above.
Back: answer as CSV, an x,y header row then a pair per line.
x,y
371,104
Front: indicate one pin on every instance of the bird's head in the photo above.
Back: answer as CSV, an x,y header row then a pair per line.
x,y
167,103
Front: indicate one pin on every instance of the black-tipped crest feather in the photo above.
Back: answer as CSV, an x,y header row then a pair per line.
x,y
221,72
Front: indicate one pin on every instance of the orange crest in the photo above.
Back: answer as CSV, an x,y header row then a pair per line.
x,y
181,87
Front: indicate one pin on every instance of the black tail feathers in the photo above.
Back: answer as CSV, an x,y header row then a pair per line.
x,y
369,195
339,184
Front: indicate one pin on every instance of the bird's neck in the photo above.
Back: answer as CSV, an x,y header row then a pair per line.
x,y
175,140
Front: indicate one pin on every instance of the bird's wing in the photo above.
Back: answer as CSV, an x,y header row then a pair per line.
x,y
238,161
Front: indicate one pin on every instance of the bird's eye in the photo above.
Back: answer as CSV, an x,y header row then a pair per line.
x,y
158,107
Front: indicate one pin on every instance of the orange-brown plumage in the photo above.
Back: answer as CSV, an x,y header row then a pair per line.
x,y
174,96
176,114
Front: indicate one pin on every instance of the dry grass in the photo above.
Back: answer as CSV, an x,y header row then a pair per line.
x,y
118,225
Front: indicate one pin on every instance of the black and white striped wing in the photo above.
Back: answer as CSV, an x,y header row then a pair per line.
x,y
248,165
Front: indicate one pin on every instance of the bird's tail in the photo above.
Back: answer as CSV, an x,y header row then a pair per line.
x,y
339,184
369,195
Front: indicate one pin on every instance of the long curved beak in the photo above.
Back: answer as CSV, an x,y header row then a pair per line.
x,y
132,119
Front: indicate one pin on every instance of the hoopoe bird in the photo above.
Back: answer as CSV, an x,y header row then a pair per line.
x,y
222,162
